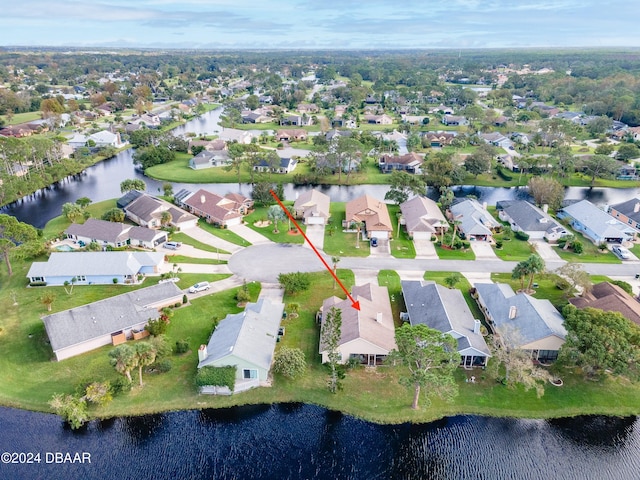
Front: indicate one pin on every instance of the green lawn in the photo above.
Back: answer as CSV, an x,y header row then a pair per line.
x,y
546,287
187,240
194,260
391,280
590,254
224,234
401,245
19,118
341,243
513,249
284,235
446,254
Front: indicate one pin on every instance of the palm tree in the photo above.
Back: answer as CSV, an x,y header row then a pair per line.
x,y
358,225
124,359
455,222
451,280
145,354
335,261
47,299
535,265
165,218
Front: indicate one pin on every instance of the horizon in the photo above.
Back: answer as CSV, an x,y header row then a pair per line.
x,y
332,25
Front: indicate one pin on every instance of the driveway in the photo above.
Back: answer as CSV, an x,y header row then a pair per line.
x,y
271,291
382,250
546,251
315,233
365,276
189,251
483,250
249,234
205,237
425,249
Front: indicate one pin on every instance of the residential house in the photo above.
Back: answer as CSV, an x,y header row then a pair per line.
x,y
105,138
410,162
454,120
500,121
595,224
368,334
522,321
342,122
245,340
610,298
254,117
303,120
440,139
78,140
627,212
383,119
109,321
286,165
526,217
308,108
445,310
148,120
373,213
210,159
497,140
295,135
335,134
232,135
313,207
115,234
474,221
95,268
422,218
147,211
441,109
216,209
414,119
210,145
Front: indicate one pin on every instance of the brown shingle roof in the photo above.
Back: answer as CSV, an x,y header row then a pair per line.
x,y
610,298
369,210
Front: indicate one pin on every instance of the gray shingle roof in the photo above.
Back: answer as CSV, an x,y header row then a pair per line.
x,y
534,319
61,264
443,309
421,214
596,220
250,335
628,209
474,219
80,324
528,217
101,230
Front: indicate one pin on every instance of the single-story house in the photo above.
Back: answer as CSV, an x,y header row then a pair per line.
x,y
95,268
313,207
454,120
367,334
440,139
441,109
445,310
497,140
215,209
383,119
610,298
522,321
254,117
295,135
595,224
422,218
474,221
526,217
373,213
105,138
115,234
147,211
232,135
627,212
247,341
209,159
286,165
298,120
409,162
82,329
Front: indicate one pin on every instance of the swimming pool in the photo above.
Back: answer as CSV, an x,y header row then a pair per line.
x,y
65,248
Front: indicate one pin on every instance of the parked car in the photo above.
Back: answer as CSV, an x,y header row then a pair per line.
x,y
622,252
374,242
199,287
172,245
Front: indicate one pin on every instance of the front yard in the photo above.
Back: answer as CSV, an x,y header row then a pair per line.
x,y
340,243
259,221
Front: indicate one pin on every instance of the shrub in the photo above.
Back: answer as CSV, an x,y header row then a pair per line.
x,y
521,235
217,376
623,285
157,327
120,385
38,284
177,305
293,283
161,366
577,247
289,362
184,299
115,280
243,295
503,174
498,244
182,346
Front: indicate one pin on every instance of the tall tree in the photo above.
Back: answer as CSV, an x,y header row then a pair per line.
x,y
403,185
546,191
599,166
145,354
335,260
72,211
132,184
275,214
330,339
14,234
124,359
430,358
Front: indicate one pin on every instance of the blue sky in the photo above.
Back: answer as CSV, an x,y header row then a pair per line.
x,y
308,24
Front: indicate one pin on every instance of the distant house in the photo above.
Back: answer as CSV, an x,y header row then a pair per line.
x,y
286,165
522,321
627,212
526,217
368,334
595,224
245,340
496,139
373,213
308,108
454,120
383,119
108,321
147,211
254,117
409,162
441,109
440,139
232,135
296,135
209,159
115,234
422,218
303,120
218,210
210,145
106,139
445,310
313,207
474,221
95,268
610,298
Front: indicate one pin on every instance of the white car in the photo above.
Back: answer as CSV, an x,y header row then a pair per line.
x,y
622,252
199,287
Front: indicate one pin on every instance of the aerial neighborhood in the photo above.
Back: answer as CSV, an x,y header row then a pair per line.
x,y
424,234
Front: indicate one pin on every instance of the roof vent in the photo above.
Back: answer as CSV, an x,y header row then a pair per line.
x,y
513,311
202,199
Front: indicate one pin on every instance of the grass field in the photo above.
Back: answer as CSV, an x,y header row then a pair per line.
x,y
284,235
342,244
224,233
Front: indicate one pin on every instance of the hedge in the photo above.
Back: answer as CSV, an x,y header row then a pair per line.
x,y
217,376
520,235
504,175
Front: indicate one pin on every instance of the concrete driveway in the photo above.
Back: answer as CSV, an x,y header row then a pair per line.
x,y
546,251
249,234
483,250
382,250
425,249
315,233
205,237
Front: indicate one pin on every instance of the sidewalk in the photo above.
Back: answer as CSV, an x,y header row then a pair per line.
x,y
249,235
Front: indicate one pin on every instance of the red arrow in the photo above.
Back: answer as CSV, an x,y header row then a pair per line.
x,y
354,303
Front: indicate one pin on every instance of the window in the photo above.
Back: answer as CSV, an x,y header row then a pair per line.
x,y
81,278
248,374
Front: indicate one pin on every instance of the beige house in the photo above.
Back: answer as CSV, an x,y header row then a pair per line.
x,y
422,218
373,213
312,207
367,334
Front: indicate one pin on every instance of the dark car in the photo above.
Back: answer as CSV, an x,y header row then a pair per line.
x,y
374,242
